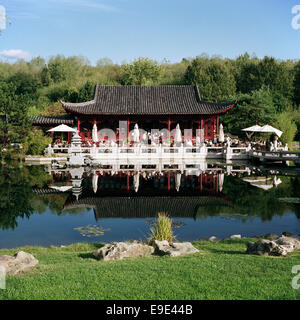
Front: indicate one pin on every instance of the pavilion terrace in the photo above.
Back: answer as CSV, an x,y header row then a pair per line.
x,y
151,107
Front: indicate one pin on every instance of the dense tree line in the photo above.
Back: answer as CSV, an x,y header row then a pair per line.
x,y
265,90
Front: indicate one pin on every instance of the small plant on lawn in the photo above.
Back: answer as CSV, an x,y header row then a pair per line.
x,y
163,229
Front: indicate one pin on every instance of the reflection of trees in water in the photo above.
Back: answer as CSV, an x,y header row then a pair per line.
x,y
252,201
17,199
55,202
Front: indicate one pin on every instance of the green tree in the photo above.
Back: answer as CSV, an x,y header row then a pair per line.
x,y
16,123
213,78
104,62
297,84
142,71
255,108
251,74
246,73
86,92
46,76
62,68
276,76
25,84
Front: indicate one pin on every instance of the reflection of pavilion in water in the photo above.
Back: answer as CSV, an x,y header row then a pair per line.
x,y
141,194
134,194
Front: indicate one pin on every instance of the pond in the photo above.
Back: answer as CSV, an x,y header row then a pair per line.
x,y
46,206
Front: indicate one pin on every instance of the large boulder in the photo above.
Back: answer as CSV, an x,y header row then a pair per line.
x,y
292,242
174,250
121,250
18,263
279,247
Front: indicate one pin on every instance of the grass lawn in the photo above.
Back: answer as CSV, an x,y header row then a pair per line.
x,y
221,270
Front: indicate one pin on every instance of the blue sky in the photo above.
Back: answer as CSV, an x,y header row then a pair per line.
x,y
160,29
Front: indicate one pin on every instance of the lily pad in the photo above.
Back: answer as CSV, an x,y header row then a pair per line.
x,y
91,230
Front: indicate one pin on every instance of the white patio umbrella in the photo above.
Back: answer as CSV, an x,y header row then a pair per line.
x,y
255,128
270,129
136,181
178,135
136,133
95,133
221,134
177,181
252,129
62,128
95,182
267,129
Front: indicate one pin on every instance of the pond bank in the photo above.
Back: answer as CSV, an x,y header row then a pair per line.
x,y
221,270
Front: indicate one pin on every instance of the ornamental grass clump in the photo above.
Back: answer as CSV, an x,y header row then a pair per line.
x,y
163,229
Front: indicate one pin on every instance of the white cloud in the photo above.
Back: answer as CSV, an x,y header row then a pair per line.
x,y
15,54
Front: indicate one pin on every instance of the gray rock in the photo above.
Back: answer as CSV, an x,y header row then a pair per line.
x,y
121,250
293,242
262,247
176,249
18,263
213,239
279,247
271,236
236,236
287,234
161,246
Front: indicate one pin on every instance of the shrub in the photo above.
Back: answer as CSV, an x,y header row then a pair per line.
x,y
287,125
163,228
36,142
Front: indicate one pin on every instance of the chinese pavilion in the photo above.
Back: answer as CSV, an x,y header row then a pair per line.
x,y
151,107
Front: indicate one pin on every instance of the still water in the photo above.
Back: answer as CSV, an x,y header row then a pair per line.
x,y
46,206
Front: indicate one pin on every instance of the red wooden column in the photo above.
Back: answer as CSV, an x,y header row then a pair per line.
x,y
217,125
169,128
169,182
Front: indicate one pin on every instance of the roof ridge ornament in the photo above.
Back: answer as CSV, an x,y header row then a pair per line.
x,y
198,97
81,104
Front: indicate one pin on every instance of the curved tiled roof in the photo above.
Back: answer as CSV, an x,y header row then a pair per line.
x,y
48,120
146,100
52,120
